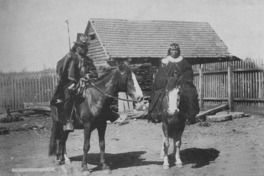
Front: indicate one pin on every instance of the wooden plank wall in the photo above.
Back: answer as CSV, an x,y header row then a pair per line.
x,y
17,88
248,82
96,49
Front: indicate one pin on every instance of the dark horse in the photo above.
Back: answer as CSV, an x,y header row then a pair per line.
x,y
173,122
91,113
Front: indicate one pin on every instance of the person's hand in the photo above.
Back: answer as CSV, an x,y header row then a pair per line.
x,y
69,55
87,77
72,86
72,89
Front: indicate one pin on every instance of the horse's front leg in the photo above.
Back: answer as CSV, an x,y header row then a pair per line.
x,y
101,134
86,148
176,151
162,145
165,147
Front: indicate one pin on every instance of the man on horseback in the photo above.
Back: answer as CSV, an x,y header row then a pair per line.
x,y
174,65
71,69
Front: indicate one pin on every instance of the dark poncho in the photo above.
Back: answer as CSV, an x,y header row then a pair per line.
x,y
182,71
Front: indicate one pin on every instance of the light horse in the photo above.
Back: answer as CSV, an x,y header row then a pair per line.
x,y
173,122
91,113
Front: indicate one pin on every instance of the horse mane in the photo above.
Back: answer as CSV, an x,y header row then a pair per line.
x,y
172,83
105,74
109,70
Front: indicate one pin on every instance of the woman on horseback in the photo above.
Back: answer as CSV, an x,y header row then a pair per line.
x,y
174,65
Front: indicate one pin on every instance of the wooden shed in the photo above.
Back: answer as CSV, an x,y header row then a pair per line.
x,y
147,41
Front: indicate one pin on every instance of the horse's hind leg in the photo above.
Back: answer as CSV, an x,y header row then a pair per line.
x,y
61,149
176,150
101,134
58,153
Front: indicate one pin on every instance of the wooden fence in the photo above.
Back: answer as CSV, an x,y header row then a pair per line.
x,y
236,82
17,88
239,83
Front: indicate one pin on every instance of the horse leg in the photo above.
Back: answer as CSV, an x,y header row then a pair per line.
x,y
86,148
176,151
101,134
162,147
64,139
67,159
61,148
57,160
166,144
162,154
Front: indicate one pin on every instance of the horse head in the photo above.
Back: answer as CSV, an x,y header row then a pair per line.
x,y
127,81
173,96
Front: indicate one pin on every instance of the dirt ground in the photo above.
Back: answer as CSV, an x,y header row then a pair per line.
x,y
231,148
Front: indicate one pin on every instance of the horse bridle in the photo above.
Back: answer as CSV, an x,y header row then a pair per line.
x,y
179,93
108,95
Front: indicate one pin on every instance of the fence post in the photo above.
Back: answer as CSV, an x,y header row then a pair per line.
x,y
230,85
201,87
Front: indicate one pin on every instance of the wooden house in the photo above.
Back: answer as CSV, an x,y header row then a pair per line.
x,y
148,41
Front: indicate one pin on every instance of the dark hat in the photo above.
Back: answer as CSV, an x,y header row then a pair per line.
x,y
82,40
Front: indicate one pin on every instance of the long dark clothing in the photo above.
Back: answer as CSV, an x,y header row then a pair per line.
x,y
181,70
70,70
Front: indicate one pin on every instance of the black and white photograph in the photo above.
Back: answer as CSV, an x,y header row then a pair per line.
x,y
131,88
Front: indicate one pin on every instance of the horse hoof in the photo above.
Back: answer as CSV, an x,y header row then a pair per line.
x,y
86,173
64,169
68,162
166,167
107,171
59,162
180,165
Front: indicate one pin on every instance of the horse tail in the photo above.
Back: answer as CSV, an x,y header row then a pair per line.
x,y
53,137
55,131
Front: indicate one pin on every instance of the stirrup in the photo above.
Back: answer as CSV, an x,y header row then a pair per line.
x,y
69,126
57,103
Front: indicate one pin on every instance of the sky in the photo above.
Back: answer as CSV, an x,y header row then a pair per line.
x,y
34,36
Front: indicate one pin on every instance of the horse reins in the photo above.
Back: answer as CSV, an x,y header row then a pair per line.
x,y
99,90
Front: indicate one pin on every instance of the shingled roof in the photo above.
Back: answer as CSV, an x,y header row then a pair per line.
x,y
132,38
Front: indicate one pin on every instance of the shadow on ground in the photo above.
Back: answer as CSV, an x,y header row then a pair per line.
x,y
198,157
119,160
